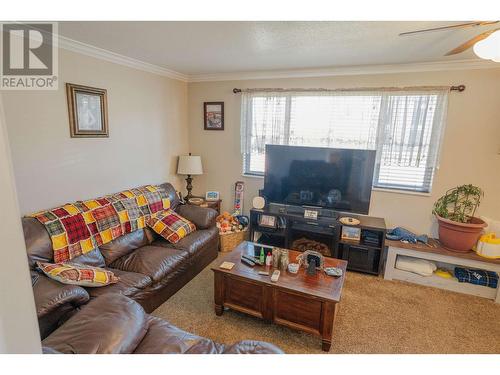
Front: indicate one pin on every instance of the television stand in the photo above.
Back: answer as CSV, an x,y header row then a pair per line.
x,y
292,230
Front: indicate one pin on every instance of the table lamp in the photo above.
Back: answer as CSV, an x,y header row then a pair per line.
x,y
189,165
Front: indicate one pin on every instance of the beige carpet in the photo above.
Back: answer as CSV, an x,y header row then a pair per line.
x,y
376,316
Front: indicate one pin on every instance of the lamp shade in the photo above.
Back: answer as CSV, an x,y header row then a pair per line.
x,y
189,164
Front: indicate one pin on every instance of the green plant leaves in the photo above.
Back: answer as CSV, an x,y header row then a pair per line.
x,y
459,204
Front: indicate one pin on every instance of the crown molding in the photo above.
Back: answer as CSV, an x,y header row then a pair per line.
x,y
348,70
99,53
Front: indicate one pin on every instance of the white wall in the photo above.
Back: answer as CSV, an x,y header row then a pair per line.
x,y
470,152
147,131
18,323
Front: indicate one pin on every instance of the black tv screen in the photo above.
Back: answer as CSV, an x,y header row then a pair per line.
x,y
338,179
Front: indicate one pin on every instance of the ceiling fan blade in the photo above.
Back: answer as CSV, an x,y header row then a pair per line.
x,y
468,44
443,28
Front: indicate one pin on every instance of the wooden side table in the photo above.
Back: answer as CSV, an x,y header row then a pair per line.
x,y
210,204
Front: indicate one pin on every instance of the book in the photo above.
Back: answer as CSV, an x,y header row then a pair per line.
x,y
226,265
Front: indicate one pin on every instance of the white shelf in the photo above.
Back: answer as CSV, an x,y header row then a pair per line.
x,y
446,261
448,284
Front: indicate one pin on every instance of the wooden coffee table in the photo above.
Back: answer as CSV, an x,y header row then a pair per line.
x,y
303,302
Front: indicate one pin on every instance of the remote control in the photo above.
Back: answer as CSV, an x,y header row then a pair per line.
x,y
264,273
248,257
333,271
275,276
247,262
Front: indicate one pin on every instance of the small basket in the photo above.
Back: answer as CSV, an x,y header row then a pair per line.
x,y
228,241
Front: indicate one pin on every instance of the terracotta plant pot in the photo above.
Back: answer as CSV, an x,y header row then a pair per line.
x,y
459,237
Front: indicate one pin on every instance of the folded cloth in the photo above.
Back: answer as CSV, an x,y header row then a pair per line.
x,y
402,234
421,267
478,277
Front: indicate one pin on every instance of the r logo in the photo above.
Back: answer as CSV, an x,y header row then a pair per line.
x,y
27,49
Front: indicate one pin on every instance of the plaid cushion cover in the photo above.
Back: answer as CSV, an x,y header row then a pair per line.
x,y
478,277
78,274
171,225
82,226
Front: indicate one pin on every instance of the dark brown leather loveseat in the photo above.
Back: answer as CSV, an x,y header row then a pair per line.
x,y
150,271
115,324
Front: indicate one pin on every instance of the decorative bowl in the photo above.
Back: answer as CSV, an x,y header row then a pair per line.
x,y
196,201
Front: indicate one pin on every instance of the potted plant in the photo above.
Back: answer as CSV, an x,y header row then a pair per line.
x,y
459,230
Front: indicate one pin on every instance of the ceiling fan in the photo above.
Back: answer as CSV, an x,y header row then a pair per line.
x,y
469,43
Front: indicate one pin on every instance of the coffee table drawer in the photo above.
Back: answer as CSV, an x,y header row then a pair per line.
x,y
244,296
297,311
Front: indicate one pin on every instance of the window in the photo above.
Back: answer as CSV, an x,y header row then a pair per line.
x,y
404,127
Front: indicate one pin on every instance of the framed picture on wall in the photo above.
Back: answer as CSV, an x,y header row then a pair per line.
x,y
88,111
213,114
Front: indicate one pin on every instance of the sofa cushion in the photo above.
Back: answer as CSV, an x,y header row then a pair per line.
x,y
124,245
202,217
130,283
171,226
93,258
164,338
153,261
192,243
38,243
171,194
109,324
78,274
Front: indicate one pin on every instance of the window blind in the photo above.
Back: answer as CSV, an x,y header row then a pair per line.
x,y
405,128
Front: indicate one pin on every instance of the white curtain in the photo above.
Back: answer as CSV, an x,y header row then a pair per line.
x,y
405,127
409,137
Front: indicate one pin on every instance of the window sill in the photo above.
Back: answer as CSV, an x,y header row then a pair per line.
x,y
406,192
252,176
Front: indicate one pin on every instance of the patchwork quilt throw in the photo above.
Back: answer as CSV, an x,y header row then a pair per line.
x,y
80,227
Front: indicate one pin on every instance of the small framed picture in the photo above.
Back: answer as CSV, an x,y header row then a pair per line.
x,y
213,114
350,233
88,111
267,221
212,196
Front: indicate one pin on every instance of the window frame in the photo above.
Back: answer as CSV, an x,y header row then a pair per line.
x,y
431,166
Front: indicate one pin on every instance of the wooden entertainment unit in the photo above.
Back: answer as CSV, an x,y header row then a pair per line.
x,y
292,230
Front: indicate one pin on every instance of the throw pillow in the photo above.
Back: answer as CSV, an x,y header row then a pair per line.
x,y
171,226
78,274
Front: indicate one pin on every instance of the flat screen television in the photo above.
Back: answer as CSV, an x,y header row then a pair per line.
x,y
333,178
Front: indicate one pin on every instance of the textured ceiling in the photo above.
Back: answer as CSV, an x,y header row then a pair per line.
x,y
225,47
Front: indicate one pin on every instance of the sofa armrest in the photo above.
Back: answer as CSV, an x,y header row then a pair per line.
x,y
111,323
202,217
54,301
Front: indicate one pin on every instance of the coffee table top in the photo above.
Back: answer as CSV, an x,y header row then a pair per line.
x,y
320,285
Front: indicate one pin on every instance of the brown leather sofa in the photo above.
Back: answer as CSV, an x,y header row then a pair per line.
x,y
113,319
119,325
150,268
